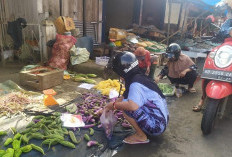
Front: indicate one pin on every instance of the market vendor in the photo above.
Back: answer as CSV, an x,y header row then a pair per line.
x,y
147,63
143,103
180,69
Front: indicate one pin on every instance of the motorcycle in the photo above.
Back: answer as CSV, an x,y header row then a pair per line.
x,y
217,85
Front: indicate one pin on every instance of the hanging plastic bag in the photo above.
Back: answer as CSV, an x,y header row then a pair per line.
x,y
108,121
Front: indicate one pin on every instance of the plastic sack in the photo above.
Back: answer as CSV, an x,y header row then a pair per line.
x,y
180,91
78,55
60,51
108,121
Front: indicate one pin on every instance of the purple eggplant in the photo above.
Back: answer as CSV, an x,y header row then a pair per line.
x,y
92,143
36,120
99,126
89,118
89,126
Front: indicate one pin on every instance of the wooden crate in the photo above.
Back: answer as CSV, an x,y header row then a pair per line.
x,y
41,81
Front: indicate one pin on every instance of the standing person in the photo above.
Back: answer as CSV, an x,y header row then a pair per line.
x,y
143,104
146,63
180,69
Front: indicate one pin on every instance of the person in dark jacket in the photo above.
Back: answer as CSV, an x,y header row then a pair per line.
x,y
143,104
180,69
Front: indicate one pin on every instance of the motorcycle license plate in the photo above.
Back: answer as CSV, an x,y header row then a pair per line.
x,y
217,75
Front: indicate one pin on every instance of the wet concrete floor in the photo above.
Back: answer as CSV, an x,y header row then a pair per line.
x,y
182,138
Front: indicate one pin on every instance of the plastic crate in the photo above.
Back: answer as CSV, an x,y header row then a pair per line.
x,y
102,60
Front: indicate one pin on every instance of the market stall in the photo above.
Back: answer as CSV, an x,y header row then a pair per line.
x,y
31,128
123,40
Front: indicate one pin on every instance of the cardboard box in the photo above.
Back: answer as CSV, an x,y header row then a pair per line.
x,y
41,81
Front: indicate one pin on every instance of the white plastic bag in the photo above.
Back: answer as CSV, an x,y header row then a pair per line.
x,y
78,55
108,121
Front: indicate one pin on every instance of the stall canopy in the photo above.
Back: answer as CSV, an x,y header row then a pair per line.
x,y
211,2
205,4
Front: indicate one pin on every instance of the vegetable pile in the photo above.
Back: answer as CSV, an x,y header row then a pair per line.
x,y
14,103
105,86
84,78
48,129
90,108
166,88
18,145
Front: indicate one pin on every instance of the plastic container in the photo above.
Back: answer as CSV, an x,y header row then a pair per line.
x,y
180,91
102,60
118,43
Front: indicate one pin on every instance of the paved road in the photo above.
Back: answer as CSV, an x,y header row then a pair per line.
x,y
183,137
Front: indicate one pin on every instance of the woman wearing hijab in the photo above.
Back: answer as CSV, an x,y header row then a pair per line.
x,y
180,69
147,63
143,104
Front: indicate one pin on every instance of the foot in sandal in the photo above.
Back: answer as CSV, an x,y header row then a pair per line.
x,y
192,90
198,107
136,139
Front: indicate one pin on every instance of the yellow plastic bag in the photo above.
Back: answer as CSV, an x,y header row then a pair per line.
x,y
117,34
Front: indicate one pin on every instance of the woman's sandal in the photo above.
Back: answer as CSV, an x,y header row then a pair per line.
x,y
137,142
192,90
197,108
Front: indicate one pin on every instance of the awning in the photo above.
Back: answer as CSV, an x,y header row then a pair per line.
x,y
211,2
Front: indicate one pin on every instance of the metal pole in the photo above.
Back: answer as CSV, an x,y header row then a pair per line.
x,y
1,35
141,12
61,7
40,44
169,18
84,29
185,14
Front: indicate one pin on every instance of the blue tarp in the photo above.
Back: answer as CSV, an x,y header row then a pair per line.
x,y
205,4
211,2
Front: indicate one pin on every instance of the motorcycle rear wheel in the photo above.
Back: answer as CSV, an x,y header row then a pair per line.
x,y
209,116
